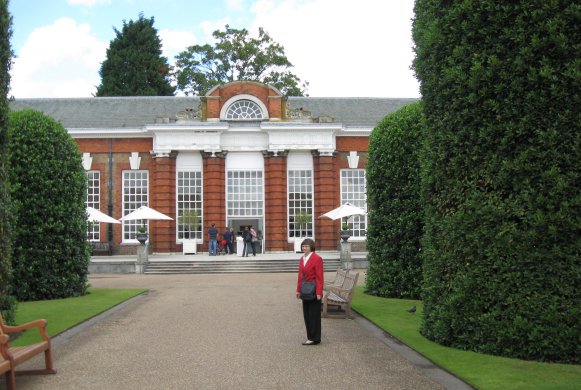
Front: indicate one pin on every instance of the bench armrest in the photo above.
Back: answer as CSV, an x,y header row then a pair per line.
x,y
39,324
4,353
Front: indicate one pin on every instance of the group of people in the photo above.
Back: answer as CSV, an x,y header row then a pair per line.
x,y
227,239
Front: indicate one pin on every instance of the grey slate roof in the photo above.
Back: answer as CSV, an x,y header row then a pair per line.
x,y
135,112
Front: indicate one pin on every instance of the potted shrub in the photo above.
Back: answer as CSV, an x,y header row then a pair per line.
x,y
191,220
141,235
345,233
302,220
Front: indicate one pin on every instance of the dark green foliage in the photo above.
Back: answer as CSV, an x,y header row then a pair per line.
x,y
236,56
500,83
7,302
393,190
134,65
48,183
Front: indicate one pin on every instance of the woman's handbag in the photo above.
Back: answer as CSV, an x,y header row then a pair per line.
x,y
308,290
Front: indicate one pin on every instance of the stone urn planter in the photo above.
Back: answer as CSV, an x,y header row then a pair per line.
x,y
141,235
345,234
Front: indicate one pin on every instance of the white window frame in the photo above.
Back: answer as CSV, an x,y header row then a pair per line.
x,y
131,200
186,204
300,198
350,193
93,200
245,193
228,104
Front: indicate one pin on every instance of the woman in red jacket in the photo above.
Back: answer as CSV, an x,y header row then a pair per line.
x,y
311,269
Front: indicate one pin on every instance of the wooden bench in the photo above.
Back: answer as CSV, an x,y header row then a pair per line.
x,y
18,355
340,296
101,248
338,282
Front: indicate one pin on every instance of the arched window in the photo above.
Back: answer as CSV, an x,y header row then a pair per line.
x,y
244,110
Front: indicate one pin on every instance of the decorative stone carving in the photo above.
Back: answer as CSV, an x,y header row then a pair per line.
x,y
214,154
163,153
323,153
190,114
275,153
325,119
87,161
134,160
297,113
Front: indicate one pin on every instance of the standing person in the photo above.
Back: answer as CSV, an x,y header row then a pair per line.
x,y
311,269
213,237
232,240
247,237
227,241
253,240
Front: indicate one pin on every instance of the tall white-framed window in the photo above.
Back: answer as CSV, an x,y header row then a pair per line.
x,y
94,201
300,203
189,205
135,195
354,191
245,193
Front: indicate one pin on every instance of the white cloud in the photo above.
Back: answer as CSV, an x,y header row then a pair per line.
x,y
344,47
68,52
208,27
173,42
235,5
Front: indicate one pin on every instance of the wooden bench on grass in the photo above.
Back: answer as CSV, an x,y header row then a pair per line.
x,y
340,296
15,356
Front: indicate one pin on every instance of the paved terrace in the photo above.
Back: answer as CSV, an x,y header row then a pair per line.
x,y
226,331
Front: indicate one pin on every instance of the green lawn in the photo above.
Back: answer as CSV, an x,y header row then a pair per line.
x,y
63,314
481,371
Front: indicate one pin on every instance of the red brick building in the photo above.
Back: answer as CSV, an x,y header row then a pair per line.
x,y
241,155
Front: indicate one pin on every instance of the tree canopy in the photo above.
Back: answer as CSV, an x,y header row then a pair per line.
x,y
134,65
48,190
500,176
236,56
395,209
7,302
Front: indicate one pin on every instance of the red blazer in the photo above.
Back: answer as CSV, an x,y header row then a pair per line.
x,y
313,271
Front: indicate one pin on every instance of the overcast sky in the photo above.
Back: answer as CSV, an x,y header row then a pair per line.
x,y
351,48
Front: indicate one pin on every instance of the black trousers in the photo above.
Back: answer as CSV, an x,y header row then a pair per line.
x,y
312,315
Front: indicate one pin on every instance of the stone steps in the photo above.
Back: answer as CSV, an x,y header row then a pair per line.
x,y
229,266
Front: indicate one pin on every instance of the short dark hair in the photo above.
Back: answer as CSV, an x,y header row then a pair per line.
x,y
309,242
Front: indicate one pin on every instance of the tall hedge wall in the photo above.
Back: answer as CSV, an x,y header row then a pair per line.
x,y
51,254
7,302
500,83
393,191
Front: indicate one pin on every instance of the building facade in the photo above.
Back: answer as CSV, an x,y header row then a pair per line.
x,y
241,155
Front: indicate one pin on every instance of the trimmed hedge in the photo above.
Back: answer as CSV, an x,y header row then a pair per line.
x,y
51,252
7,302
501,251
393,190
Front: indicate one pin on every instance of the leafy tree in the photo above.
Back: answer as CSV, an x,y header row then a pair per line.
x,y
395,209
500,85
236,56
7,302
134,65
48,188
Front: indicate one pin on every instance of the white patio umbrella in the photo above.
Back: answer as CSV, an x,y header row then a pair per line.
x,y
145,212
346,210
97,216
